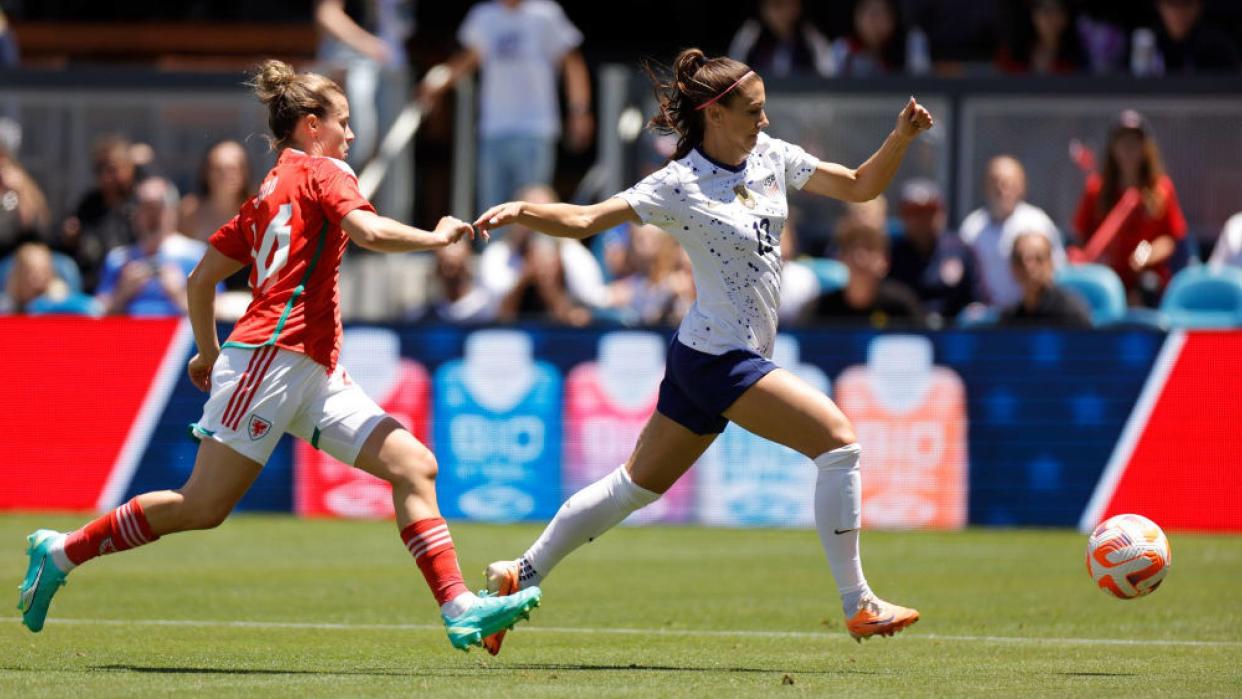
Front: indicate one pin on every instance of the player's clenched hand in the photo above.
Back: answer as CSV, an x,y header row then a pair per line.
x,y
499,216
454,229
914,119
200,372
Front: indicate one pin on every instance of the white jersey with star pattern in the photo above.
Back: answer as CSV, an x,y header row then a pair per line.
x,y
729,220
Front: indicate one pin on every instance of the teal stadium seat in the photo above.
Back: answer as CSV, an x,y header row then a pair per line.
x,y
1200,297
832,274
1099,287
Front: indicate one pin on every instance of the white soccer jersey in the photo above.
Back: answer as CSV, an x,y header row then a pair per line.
x,y
729,220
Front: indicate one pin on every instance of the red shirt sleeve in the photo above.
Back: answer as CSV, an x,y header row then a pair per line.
x,y
231,240
338,190
1085,218
1173,221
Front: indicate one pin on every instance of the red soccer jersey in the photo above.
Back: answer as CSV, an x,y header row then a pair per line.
x,y
290,233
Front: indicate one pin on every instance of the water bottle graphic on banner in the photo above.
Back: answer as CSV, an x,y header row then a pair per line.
x,y
748,481
497,430
910,417
323,486
607,403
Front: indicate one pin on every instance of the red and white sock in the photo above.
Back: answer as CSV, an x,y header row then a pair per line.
x,y
122,529
431,545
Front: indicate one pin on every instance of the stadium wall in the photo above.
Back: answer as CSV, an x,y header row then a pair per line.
x,y
985,427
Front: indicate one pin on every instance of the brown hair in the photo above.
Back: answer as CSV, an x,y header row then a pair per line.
x,y
696,79
1151,169
289,96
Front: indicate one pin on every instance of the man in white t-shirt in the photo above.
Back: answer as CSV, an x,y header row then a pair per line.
x,y
991,230
519,46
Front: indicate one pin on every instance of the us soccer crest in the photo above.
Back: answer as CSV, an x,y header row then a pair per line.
x,y
258,427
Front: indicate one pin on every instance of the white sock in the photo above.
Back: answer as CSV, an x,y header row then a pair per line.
x,y
57,551
838,517
459,605
584,517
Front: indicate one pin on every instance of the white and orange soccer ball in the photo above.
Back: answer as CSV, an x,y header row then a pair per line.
x,y
1128,555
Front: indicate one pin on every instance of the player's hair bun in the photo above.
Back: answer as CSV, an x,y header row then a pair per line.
x,y
289,96
272,78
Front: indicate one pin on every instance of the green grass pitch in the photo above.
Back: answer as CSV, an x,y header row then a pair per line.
x,y
282,607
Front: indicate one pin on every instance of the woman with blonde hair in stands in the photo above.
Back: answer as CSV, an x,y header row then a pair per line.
x,y
278,371
724,198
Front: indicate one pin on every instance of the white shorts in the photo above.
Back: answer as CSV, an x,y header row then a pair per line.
x,y
257,395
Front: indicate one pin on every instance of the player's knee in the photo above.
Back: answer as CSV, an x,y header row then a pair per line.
x,y
204,515
841,432
413,465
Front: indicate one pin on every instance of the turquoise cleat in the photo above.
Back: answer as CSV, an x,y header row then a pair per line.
x,y
489,615
43,579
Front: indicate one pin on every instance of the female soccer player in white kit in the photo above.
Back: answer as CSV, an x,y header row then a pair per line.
x,y
723,197
278,371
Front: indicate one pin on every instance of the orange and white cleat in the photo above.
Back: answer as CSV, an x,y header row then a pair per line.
x,y
502,580
875,617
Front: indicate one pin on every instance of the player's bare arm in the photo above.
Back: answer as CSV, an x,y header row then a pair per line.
x,y
559,220
383,234
200,292
868,180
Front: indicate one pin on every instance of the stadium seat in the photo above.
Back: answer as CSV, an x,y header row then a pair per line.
x,y
832,274
1099,287
1199,297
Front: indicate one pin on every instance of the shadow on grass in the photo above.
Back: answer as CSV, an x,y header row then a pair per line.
x,y
1097,674
635,667
243,671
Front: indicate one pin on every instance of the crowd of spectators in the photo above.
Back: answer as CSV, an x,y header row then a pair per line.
x,y
128,244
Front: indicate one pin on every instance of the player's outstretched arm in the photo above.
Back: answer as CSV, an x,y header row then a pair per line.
x,y
200,294
872,177
383,234
559,220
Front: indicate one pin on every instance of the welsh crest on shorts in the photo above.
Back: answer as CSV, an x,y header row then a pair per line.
x,y
258,427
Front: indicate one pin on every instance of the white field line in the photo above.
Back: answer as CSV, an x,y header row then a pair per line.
x,y
713,633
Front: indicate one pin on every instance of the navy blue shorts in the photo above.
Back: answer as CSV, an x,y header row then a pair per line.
x,y
698,387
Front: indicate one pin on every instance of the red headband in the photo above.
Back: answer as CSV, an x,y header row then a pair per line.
x,y
726,91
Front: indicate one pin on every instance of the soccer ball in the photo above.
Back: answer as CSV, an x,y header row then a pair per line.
x,y
1128,555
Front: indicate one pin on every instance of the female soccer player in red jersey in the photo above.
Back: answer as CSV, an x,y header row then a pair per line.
x,y
278,371
723,197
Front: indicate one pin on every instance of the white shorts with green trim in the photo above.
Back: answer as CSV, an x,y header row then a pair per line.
x,y
259,394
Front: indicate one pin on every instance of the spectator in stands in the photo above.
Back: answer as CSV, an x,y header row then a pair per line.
x,y
9,55
459,299
1101,30
224,185
799,283
867,296
1228,250
23,209
1140,249
931,260
657,288
1185,43
991,230
148,278
1043,40
103,219
779,42
33,288
519,46
365,41
873,213
536,276
878,43
1042,302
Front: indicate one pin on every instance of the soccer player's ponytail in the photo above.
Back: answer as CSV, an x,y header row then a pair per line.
x,y
696,82
289,96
